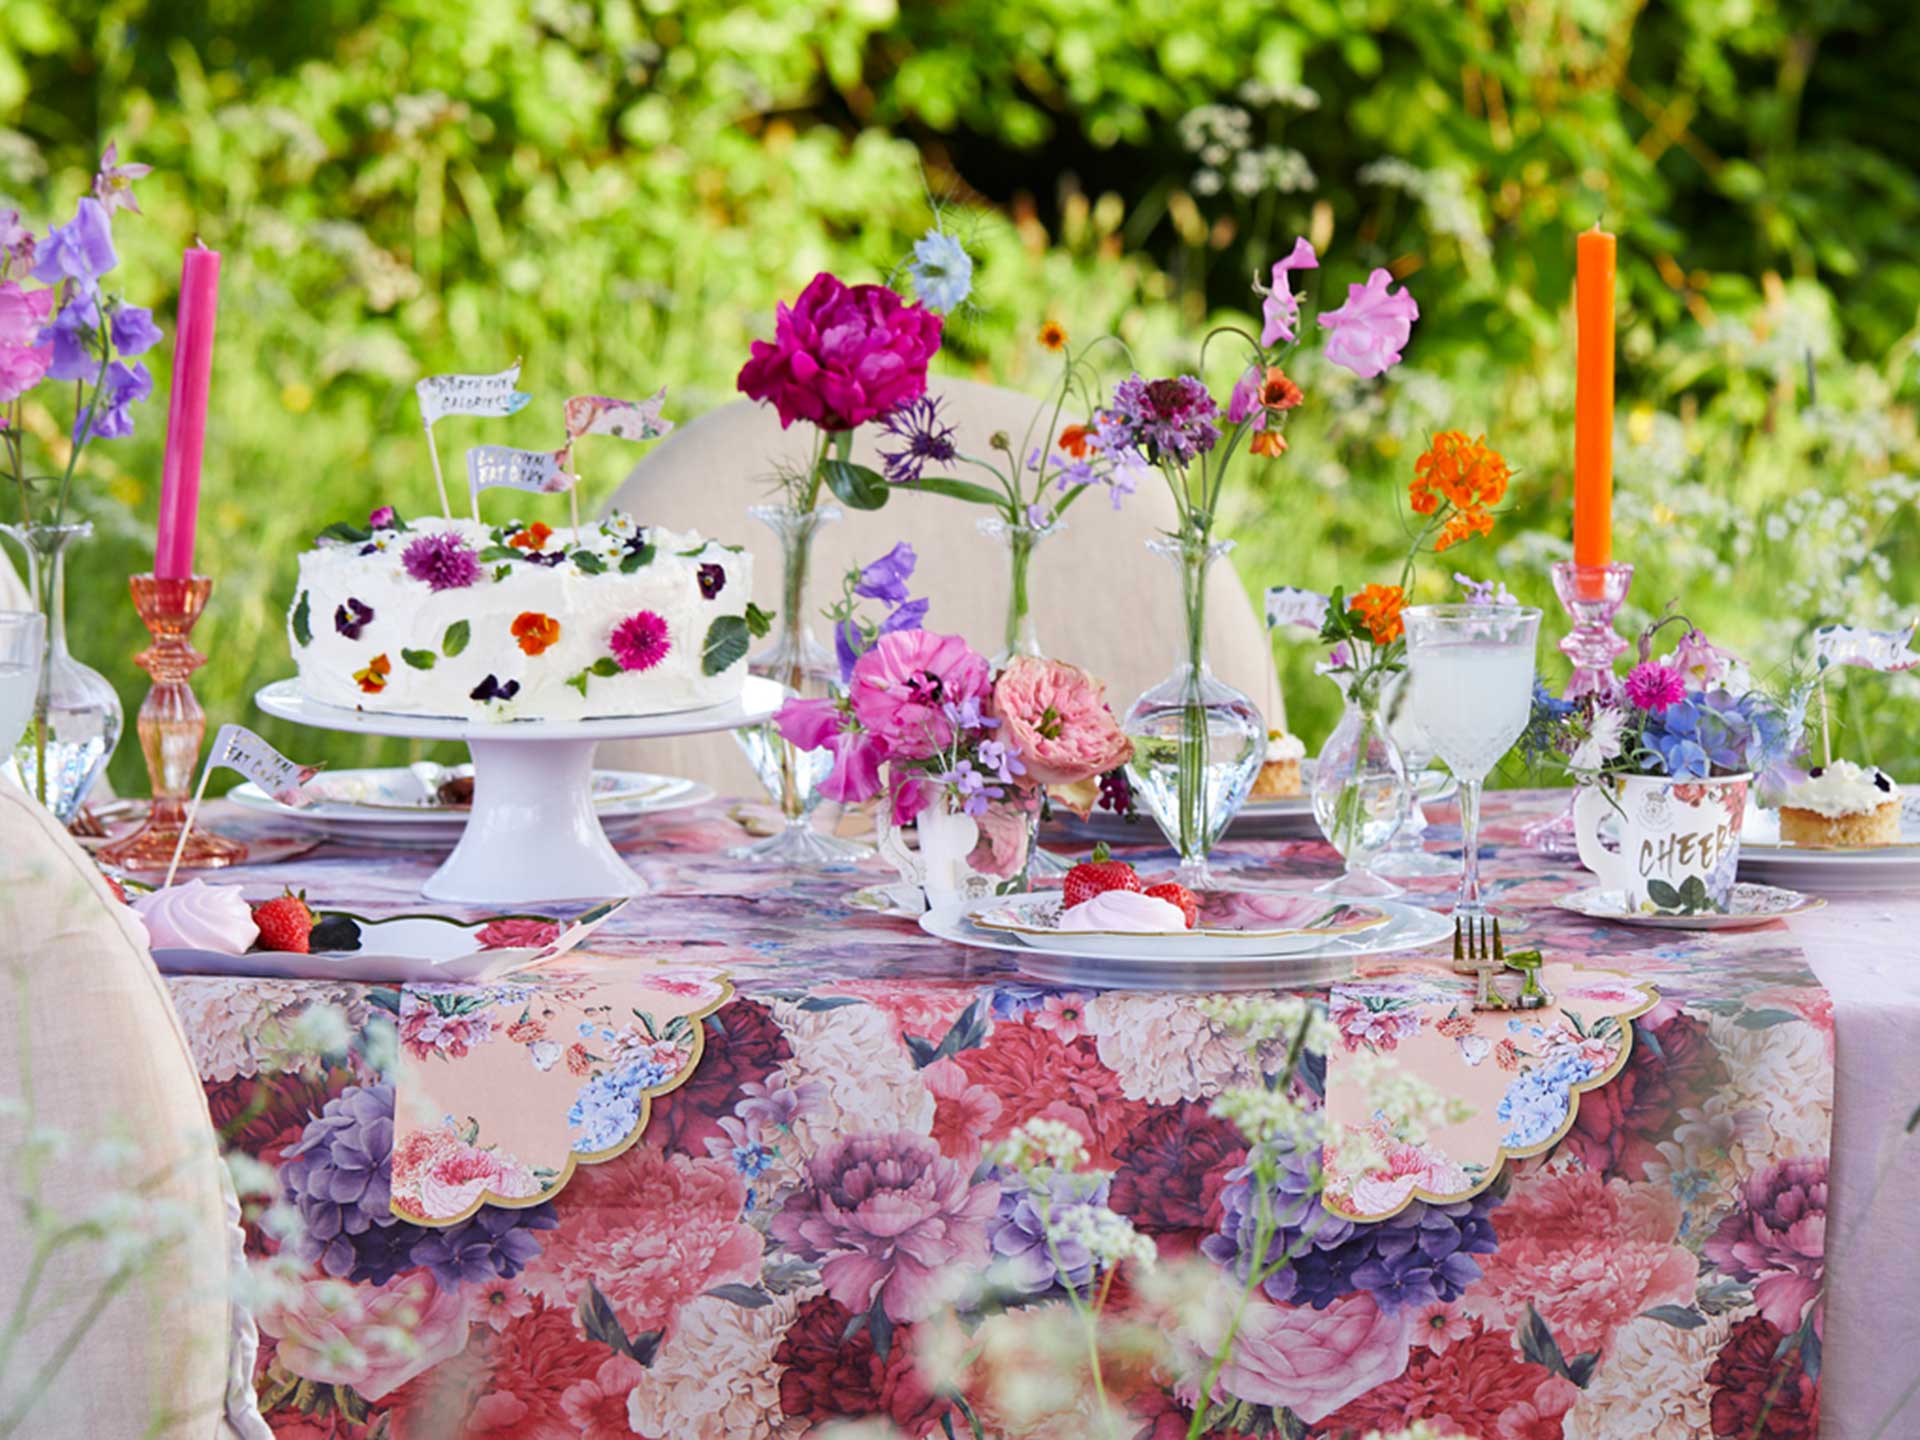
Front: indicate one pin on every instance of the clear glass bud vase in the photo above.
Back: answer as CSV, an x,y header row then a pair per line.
x,y
798,661
1361,793
1197,741
1019,637
77,717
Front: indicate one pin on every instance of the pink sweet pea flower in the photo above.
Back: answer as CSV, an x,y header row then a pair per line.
x,y
1372,327
23,361
1281,307
808,724
857,758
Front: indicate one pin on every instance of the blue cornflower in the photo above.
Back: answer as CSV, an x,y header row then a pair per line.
x,y
924,440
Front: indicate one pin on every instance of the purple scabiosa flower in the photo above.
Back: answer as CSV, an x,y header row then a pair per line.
x,y
81,250
443,561
923,440
134,332
640,641
1017,1233
493,688
112,419
1655,687
712,579
1167,420
1419,1257
352,617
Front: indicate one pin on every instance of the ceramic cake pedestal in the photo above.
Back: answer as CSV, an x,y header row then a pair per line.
x,y
532,836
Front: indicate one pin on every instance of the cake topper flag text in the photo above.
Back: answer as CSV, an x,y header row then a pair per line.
x,y
443,395
1888,651
622,419
238,748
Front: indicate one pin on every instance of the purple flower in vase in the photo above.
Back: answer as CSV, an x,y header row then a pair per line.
x,y
81,250
352,618
134,332
72,333
1655,687
886,578
113,186
1168,419
712,580
112,418
1674,737
493,688
443,562
923,440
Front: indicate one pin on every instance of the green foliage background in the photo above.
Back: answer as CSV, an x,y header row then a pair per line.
x,y
619,190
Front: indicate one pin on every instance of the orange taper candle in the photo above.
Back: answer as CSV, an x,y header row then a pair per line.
x,y
1593,401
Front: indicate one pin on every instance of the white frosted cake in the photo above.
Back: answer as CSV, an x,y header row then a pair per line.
x,y
515,622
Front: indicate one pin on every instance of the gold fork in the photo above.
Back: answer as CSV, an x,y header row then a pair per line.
x,y
1479,953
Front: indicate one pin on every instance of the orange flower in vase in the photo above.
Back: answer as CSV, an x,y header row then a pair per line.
x,y
1074,440
1380,607
373,679
535,632
1053,336
1268,442
1467,474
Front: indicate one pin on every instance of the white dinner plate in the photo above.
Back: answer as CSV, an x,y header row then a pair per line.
x,y
398,949
1231,923
1764,857
1748,906
1408,928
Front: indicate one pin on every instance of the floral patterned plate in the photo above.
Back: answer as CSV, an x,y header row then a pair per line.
x,y
1749,905
1232,922
402,949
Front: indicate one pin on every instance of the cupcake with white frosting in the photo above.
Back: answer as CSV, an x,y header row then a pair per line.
x,y
1279,776
1842,805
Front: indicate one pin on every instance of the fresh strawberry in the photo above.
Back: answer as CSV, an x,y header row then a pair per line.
x,y
1175,894
285,923
119,890
1096,876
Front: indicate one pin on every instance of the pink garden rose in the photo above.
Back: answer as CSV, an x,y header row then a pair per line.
x,y
842,355
23,361
885,1215
902,685
1055,716
1311,1361
373,1338
1370,330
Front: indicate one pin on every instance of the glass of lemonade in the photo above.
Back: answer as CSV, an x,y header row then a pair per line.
x,y
23,640
1471,667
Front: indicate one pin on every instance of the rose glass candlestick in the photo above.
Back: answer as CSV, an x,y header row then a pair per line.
x,y
171,727
1592,595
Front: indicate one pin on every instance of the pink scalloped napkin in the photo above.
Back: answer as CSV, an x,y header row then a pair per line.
x,y
1516,1077
502,1089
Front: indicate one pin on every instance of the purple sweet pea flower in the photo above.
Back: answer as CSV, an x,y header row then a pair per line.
x,y
81,250
17,242
886,578
909,616
113,418
134,332
1281,307
1370,330
113,186
72,329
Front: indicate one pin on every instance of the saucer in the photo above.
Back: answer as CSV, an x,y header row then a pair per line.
x,y
1749,905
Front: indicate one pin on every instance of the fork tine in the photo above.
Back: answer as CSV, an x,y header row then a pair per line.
x,y
1457,953
1499,950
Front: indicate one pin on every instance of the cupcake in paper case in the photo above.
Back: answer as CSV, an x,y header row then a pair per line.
x,y
1279,777
1842,806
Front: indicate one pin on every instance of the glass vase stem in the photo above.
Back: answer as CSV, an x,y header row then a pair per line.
x,y
1193,729
1468,902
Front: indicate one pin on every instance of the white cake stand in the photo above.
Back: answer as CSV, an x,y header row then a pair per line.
x,y
532,835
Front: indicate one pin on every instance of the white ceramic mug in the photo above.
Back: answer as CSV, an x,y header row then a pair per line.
x,y
937,875
1675,843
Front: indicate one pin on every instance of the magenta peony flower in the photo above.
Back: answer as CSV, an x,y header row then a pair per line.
x,y
885,1215
902,687
1372,327
1055,716
444,561
1281,307
23,360
842,355
1654,687
640,641
1777,1239
517,934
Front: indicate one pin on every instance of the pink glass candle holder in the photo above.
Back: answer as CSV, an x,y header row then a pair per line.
x,y
171,726
1592,595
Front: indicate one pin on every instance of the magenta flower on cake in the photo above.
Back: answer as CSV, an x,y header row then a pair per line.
x,y
640,641
1370,330
1055,716
1654,687
842,355
901,689
443,561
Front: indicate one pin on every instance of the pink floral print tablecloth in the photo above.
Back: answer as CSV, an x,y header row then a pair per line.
x,y
767,1257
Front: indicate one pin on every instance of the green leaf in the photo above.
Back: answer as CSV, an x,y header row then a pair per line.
x,y
579,682
1765,1019
748,1297
500,572
455,640
956,489
303,619
636,559
1537,1343
605,667
419,659
1681,1317
341,530
857,487
726,644
759,622
1664,895
498,552
589,562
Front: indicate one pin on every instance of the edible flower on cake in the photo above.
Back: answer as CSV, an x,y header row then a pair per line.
x,y
1125,910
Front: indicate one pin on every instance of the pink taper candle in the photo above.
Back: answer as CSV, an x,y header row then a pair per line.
x,y
187,413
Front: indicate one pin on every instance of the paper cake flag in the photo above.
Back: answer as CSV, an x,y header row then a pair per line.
x,y
622,419
1290,605
237,748
542,471
443,395
1888,651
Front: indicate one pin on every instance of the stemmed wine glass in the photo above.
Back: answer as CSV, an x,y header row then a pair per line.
x,y
1405,856
23,640
1471,667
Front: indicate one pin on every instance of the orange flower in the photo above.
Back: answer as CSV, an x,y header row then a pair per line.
x,y
1380,607
1268,442
534,537
373,679
1277,392
1463,525
1053,335
1465,473
1074,438
535,631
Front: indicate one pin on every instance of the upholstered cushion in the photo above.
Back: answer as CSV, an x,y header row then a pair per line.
x,y
92,1046
1099,598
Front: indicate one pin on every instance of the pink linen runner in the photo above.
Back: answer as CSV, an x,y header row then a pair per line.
x,y
501,1090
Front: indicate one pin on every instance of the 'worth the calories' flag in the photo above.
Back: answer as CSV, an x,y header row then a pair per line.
x,y
442,395
238,748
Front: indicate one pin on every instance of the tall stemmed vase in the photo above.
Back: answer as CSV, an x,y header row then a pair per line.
x,y
1019,636
1591,595
1198,742
800,663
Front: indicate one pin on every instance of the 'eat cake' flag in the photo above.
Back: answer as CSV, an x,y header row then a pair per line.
x,y
543,471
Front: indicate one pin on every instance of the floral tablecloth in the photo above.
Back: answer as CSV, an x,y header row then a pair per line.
x,y
770,1255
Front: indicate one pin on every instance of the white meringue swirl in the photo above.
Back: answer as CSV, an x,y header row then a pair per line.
x,y
1126,910
198,916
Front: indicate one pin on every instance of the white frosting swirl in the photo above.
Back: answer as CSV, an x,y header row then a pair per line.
x,y
1282,746
1125,910
198,916
1843,788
